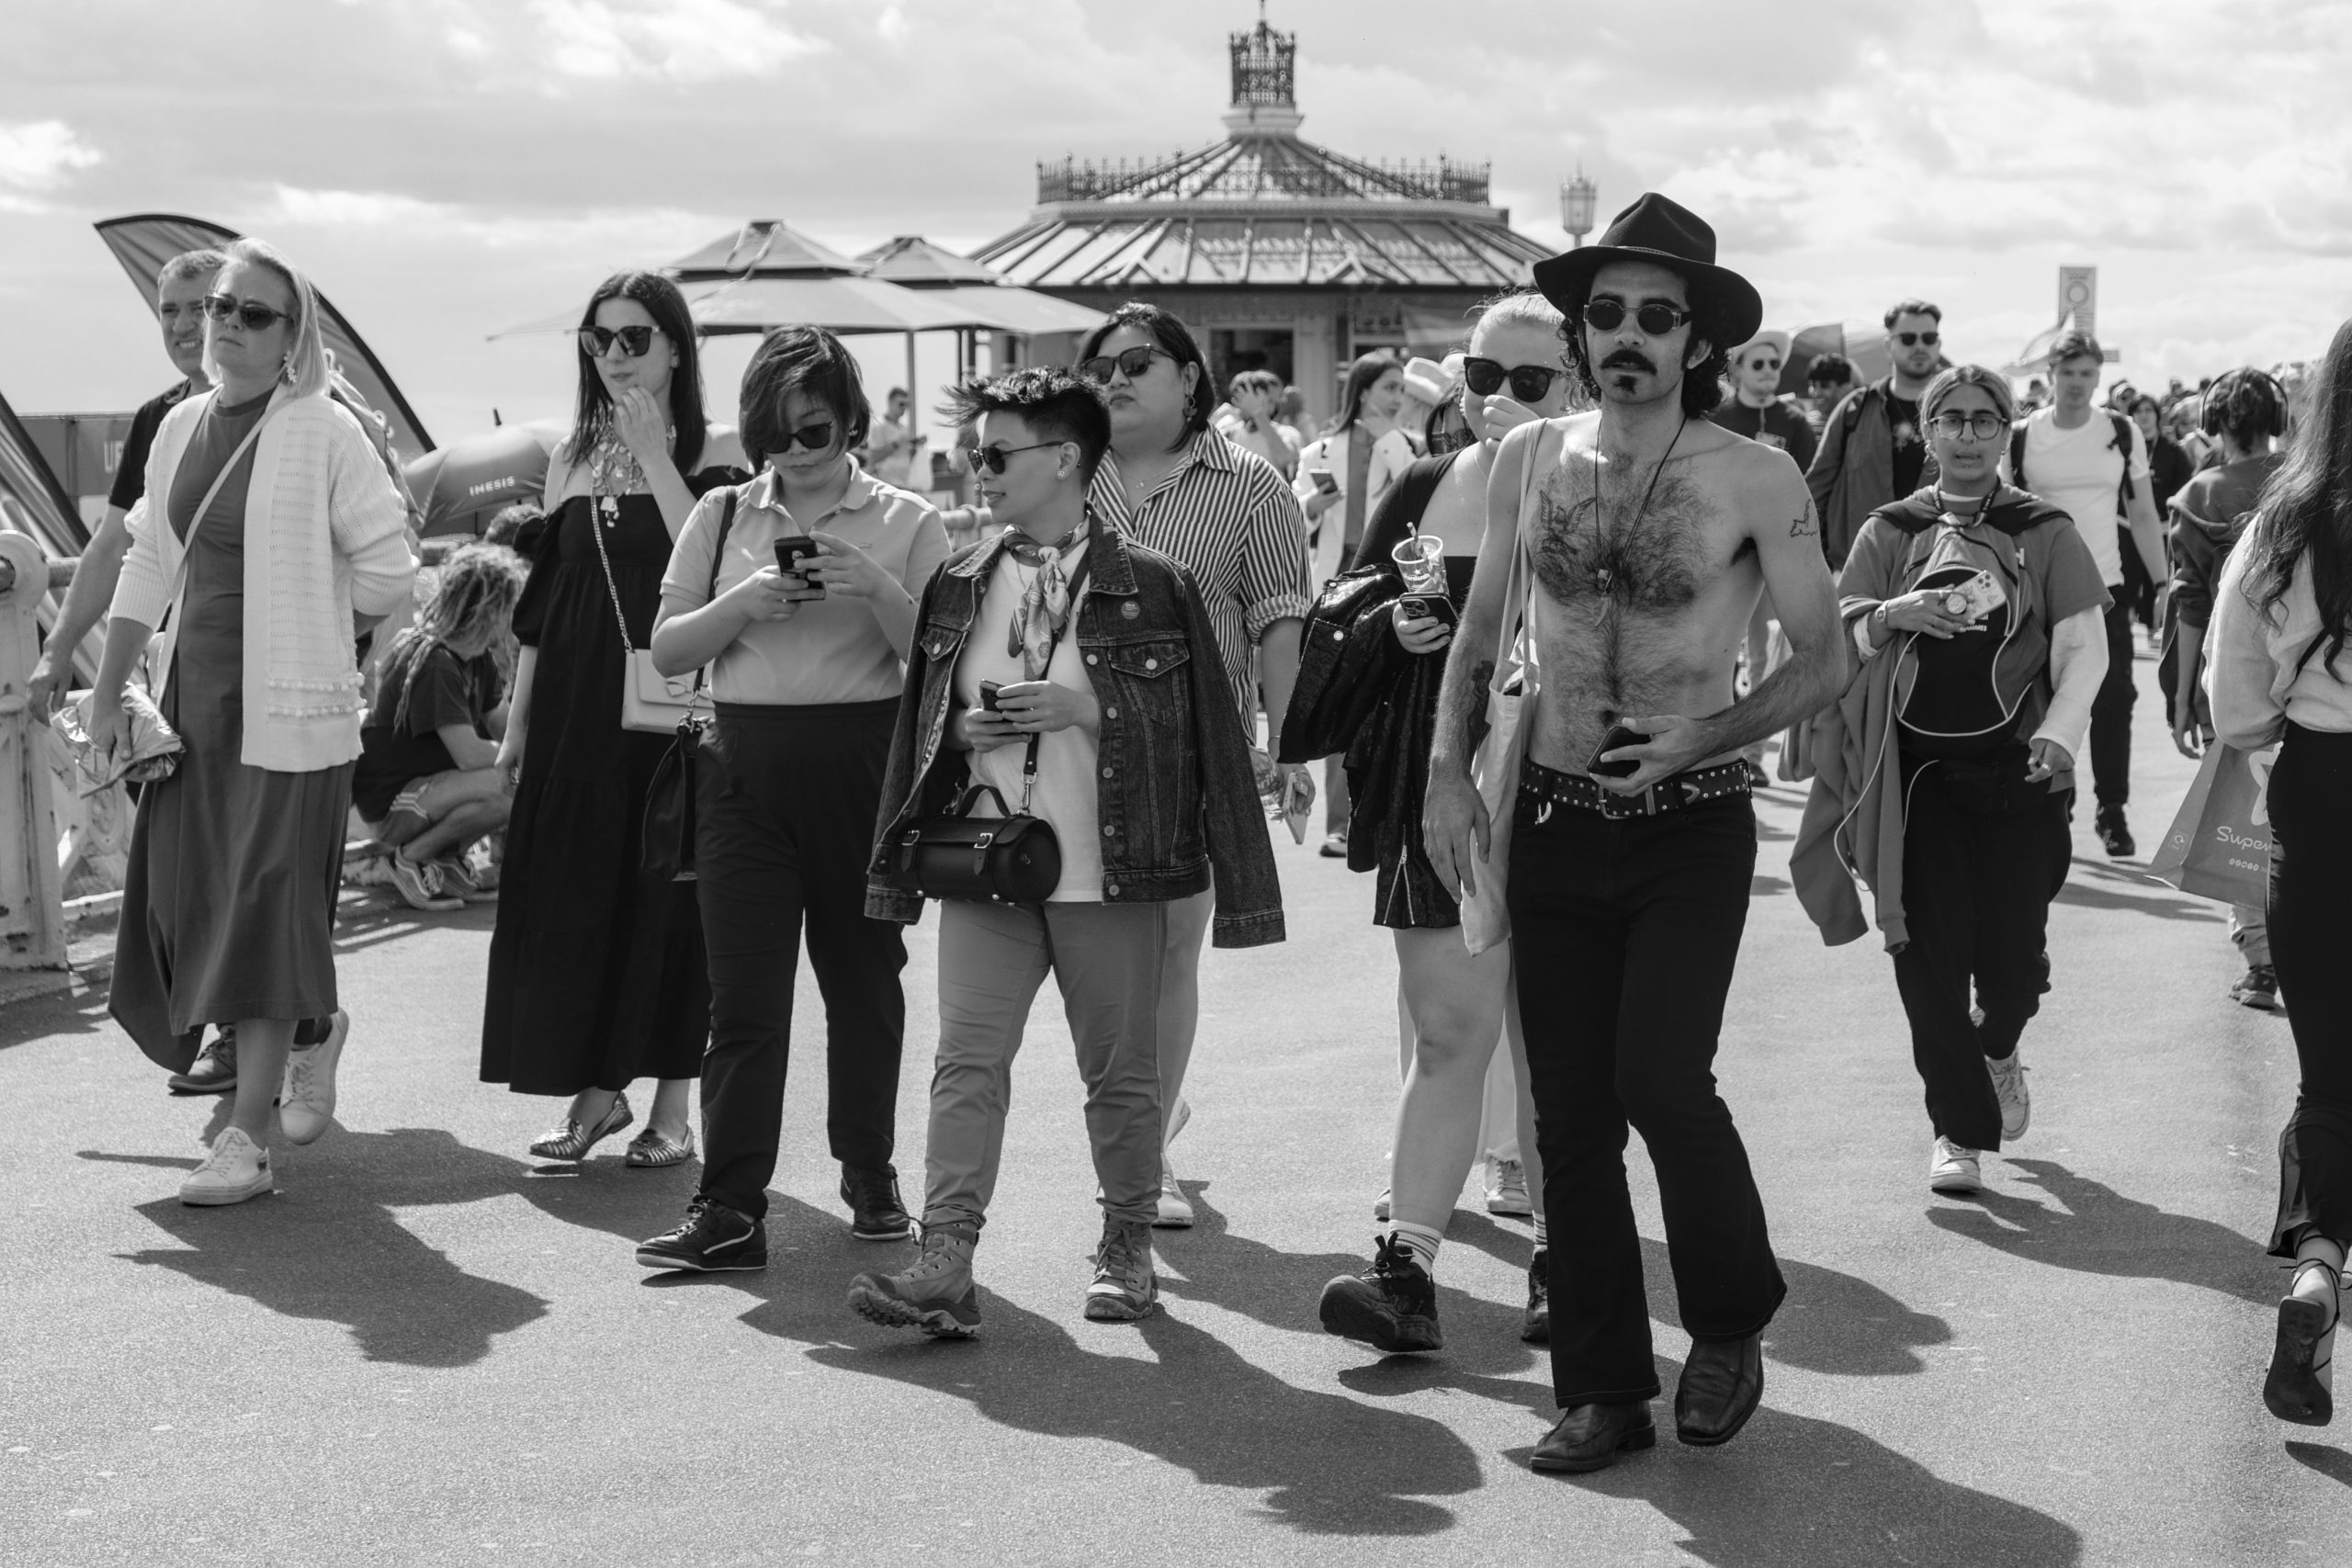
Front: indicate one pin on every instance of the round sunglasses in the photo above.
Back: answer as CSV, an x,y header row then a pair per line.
x,y
1528,383
1657,321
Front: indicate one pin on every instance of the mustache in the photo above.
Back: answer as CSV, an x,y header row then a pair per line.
x,y
1627,359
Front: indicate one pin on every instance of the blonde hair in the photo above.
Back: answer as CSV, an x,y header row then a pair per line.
x,y
473,601
306,369
1523,307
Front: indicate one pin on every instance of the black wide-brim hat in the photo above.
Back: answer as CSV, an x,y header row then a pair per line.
x,y
1659,228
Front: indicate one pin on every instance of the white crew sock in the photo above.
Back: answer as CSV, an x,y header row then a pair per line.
x,y
1422,1242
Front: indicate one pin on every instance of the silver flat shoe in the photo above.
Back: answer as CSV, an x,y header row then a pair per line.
x,y
651,1151
571,1142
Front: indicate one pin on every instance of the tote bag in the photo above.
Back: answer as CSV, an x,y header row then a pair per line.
x,y
2219,845
1486,918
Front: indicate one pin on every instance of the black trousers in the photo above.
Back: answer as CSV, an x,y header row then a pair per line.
x,y
2111,713
785,799
1977,891
2311,868
1624,935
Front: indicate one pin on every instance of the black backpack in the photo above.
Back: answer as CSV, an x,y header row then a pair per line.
x,y
2119,438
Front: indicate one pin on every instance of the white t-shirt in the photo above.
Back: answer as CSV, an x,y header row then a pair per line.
x,y
1066,759
2080,472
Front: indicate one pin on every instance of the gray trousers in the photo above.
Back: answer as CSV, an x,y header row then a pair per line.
x,y
1106,958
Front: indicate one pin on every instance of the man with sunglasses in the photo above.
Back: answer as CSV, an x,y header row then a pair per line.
x,y
1756,408
1649,535
1873,450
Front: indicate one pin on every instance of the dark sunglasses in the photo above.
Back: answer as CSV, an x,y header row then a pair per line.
x,y
249,315
816,437
1608,315
1130,363
1909,339
989,459
1983,424
1528,383
1762,362
636,341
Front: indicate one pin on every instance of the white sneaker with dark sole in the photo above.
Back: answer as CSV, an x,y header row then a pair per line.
x,y
236,1170
1954,1170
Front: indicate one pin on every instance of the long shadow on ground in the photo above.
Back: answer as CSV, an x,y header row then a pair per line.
x,y
1327,1464
330,1245
1794,1492
2100,1231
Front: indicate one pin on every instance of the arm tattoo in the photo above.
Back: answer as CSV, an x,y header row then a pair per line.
x,y
1803,526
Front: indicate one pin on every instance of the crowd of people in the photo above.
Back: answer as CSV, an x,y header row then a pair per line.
x,y
1536,611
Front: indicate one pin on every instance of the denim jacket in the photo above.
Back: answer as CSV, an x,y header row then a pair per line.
x,y
1178,795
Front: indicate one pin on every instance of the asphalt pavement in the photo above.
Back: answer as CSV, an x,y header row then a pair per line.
x,y
428,1347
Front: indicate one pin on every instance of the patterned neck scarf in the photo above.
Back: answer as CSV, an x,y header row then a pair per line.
x,y
1046,602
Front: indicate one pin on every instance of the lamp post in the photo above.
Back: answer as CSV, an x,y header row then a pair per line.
x,y
1578,196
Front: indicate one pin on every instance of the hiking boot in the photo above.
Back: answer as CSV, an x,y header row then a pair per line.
x,y
236,1170
1953,1169
2258,988
875,1212
936,1294
1391,1306
2009,1089
2113,835
306,1098
420,885
1535,1327
1123,1288
1507,1189
214,1070
713,1237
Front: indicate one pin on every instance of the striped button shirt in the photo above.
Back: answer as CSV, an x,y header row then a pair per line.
x,y
1228,517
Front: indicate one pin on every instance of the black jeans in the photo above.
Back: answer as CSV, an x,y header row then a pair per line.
x,y
2111,713
2311,867
1624,935
785,799
1976,889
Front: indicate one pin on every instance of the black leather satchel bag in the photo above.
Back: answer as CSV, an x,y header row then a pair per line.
x,y
666,845
1011,858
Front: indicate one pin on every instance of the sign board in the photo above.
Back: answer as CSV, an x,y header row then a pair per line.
x,y
2079,292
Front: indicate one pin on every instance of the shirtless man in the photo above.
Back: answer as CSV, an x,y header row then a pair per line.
x,y
1651,534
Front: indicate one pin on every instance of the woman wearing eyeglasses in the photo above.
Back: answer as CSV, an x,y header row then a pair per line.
x,y
270,531
597,975
1451,1005
799,590
1946,771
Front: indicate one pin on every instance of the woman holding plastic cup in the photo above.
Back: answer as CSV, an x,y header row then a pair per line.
x,y
1430,525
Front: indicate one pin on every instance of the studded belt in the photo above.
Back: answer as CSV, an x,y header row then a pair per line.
x,y
1549,787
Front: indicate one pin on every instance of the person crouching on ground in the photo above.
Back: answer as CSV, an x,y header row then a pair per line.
x,y
1063,650
426,785
1977,610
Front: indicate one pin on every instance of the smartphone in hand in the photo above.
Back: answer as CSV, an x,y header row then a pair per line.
x,y
793,552
988,689
1623,767
1324,481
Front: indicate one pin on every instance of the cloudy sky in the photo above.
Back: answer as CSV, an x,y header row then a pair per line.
x,y
447,168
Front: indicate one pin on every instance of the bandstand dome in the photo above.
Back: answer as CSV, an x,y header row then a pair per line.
x,y
1277,253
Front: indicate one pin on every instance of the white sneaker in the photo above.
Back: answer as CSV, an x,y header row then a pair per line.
x,y
306,1102
1951,1169
1175,1209
1507,1189
2009,1088
236,1170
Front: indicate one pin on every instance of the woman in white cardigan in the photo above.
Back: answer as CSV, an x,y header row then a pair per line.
x,y
262,495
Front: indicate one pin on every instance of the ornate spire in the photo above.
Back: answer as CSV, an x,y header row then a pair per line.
x,y
1264,81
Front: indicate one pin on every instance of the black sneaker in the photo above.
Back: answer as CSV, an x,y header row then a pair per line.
x,y
2257,989
1391,1306
875,1212
2113,834
1535,1328
714,1238
214,1070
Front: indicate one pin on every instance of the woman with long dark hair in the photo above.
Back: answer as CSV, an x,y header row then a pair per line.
x,y
2279,675
596,975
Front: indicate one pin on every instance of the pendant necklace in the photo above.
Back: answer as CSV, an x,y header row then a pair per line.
x,y
1603,578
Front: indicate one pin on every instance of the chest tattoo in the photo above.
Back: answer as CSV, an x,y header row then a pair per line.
x,y
1611,549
